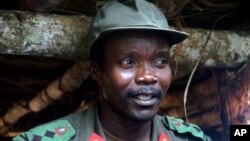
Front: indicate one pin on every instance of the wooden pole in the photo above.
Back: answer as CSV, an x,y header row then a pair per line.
x,y
63,36
48,35
234,85
68,82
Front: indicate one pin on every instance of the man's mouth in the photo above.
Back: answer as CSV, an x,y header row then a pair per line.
x,y
144,97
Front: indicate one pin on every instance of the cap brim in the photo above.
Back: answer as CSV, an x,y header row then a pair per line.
x,y
172,36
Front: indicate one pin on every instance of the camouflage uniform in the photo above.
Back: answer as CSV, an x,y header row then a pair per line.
x,y
86,126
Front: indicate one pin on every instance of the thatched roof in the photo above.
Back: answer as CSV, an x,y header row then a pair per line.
x,y
226,14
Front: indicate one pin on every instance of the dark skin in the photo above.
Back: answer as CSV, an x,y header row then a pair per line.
x,y
132,82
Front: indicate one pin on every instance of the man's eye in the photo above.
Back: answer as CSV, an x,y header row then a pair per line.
x,y
161,62
127,63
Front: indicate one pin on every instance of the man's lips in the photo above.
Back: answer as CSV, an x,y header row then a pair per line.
x,y
144,97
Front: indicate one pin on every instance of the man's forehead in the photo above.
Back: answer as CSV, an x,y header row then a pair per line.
x,y
135,35
137,42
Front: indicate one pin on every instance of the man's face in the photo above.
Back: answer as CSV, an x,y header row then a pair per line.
x,y
135,75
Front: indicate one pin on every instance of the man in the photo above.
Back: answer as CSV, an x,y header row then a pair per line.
x,y
129,59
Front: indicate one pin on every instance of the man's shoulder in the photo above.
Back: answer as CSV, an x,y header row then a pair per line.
x,y
179,126
58,130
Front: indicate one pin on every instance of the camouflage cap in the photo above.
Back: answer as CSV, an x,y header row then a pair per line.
x,y
131,15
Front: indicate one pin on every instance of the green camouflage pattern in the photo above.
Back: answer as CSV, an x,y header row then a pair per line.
x,y
60,130
82,125
182,127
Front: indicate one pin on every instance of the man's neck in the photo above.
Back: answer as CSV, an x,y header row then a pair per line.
x,y
120,128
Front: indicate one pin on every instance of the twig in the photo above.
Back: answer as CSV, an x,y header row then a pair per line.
x,y
19,85
186,89
219,5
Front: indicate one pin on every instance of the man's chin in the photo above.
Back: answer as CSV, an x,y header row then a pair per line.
x,y
142,118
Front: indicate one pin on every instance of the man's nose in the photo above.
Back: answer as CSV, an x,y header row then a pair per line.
x,y
145,74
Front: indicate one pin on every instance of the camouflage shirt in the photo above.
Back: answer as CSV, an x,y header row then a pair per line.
x,y
86,126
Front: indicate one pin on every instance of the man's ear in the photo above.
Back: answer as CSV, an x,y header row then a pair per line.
x,y
95,71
